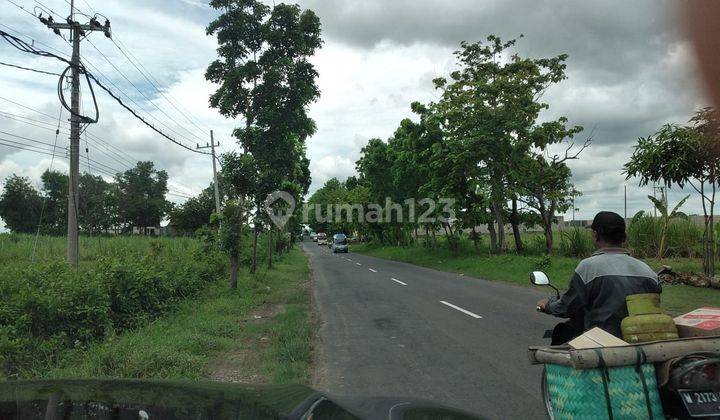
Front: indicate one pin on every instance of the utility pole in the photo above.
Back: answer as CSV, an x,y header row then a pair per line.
x,y
215,180
77,31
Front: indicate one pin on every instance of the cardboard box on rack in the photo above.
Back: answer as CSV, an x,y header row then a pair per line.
x,y
701,322
594,338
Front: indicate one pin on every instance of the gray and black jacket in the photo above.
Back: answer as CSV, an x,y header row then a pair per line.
x,y
599,286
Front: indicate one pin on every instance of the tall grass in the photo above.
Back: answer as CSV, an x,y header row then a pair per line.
x,y
683,237
576,242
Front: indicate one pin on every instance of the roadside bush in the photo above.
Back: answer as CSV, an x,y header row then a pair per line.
x,y
576,242
49,307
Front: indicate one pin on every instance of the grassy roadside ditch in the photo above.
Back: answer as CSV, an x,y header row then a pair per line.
x,y
267,318
513,268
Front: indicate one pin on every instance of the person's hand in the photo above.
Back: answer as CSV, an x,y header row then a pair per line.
x,y
542,304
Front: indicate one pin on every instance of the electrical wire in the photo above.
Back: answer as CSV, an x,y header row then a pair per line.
x,y
21,8
113,152
154,84
29,69
196,138
135,62
26,147
25,47
42,208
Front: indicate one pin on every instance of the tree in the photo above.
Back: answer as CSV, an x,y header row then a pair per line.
x,y
545,180
142,192
665,218
683,155
20,205
264,74
490,103
195,212
55,199
95,205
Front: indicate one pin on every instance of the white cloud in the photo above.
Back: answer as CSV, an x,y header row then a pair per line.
x,y
629,71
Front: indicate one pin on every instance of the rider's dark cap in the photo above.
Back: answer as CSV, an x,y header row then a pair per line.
x,y
607,222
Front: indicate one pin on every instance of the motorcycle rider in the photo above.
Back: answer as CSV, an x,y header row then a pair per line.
x,y
596,296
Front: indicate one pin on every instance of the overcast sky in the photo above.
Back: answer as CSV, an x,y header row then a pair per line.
x,y
629,71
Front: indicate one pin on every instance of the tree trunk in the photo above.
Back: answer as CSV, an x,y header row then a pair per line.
x,y
270,249
476,237
415,238
253,264
711,236
434,238
547,231
427,237
497,210
234,267
515,222
493,237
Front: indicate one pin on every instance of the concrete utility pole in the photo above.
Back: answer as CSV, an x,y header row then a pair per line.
x,y
215,180
76,31
626,201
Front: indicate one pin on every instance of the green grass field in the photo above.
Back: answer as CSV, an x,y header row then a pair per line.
x,y
516,269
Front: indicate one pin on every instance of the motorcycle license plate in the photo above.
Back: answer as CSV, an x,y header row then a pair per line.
x,y
701,403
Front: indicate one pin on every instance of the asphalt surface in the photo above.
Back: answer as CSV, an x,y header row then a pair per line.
x,y
391,329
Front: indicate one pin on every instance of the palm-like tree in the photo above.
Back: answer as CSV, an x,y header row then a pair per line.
x,y
665,218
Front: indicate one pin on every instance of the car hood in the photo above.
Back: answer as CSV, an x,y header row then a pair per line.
x,y
141,399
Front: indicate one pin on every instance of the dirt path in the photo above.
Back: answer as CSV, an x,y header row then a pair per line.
x,y
242,364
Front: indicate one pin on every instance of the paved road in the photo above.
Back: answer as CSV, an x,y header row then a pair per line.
x,y
395,329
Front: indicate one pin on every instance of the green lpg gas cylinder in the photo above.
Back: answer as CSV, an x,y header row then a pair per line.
x,y
646,322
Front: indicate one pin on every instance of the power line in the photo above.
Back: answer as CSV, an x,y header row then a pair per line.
x,y
113,152
153,82
25,47
22,8
146,97
26,138
42,208
26,147
135,62
29,69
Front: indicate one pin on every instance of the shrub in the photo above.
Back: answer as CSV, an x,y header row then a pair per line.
x,y
576,242
48,307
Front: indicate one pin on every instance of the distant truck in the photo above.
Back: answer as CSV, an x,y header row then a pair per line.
x,y
321,238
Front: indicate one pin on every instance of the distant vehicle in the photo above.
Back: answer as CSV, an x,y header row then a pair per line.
x,y
340,243
321,239
313,236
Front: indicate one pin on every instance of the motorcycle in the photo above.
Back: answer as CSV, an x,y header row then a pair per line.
x,y
688,383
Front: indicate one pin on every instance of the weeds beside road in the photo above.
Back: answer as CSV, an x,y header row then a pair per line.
x,y
142,307
514,268
259,333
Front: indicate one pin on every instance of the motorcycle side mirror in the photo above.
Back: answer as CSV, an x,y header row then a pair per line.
x,y
538,278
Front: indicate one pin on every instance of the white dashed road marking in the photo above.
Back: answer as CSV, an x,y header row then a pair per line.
x,y
465,311
358,263
398,281
373,270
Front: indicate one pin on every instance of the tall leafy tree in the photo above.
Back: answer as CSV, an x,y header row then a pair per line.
x,y
142,191
544,182
20,205
489,103
264,75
